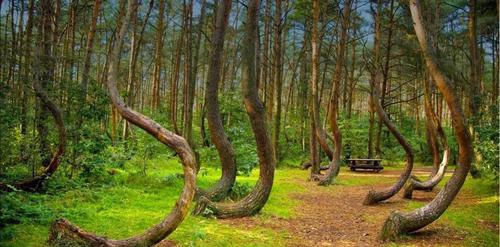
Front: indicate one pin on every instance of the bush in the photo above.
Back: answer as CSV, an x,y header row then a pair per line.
x,y
240,190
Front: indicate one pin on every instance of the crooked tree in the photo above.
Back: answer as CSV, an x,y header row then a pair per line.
x,y
401,223
217,133
256,199
62,231
334,166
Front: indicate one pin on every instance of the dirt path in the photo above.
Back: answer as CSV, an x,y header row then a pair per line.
x,y
335,216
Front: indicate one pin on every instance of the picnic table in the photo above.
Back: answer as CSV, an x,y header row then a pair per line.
x,y
365,164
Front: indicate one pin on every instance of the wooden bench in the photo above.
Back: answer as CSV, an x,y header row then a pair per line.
x,y
365,164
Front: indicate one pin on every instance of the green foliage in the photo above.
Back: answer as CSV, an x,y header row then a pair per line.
x,y
238,129
240,190
486,147
21,208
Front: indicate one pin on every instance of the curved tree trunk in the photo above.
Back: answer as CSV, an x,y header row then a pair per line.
x,y
254,201
44,54
377,196
435,130
401,223
219,138
334,168
63,231
431,134
36,182
414,184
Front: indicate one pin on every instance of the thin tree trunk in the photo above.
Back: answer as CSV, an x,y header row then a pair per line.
x,y
314,91
334,166
45,75
278,76
175,82
352,81
25,77
431,129
137,39
85,78
160,28
378,149
187,127
265,53
376,63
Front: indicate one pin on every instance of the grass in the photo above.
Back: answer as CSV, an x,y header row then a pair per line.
x,y
476,216
133,202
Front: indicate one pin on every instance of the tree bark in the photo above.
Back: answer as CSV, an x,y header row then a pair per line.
x,y
378,149
402,223
135,49
253,202
265,53
315,136
219,138
373,196
45,75
187,129
160,28
278,76
334,167
62,231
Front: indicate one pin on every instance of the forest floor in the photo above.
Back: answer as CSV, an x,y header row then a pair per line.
x,y
335,216
298,213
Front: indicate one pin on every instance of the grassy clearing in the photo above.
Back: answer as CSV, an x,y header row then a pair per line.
x,y
132,202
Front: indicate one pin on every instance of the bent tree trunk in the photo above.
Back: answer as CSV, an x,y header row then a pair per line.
x,y
400,223
219,138
254,201
377,196
36,182
63,232
334,167
414,184
43,68
433,125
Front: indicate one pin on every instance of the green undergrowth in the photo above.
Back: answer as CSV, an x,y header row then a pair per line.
x,y
131,202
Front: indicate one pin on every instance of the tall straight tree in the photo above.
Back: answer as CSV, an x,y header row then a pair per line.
x,y
278,75
187,129
160,29
314,109
86,74
137,39
375,64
